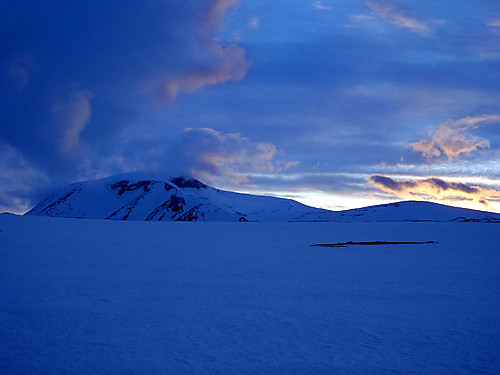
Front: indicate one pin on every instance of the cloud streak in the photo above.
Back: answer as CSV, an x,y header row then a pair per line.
x,y
451,138
72,115
433,188
217,63
19,72
392,14
229,64
319,5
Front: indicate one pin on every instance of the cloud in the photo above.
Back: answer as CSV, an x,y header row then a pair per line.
x,y
319,5
218,63
213,16
392,14
303,182
433,188
209,155
451,138
19,71
71,116
253,23
204,153
229,64
75,79
19,181
124,54
495,23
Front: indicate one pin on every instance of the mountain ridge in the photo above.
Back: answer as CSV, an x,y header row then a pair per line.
x,y
177,198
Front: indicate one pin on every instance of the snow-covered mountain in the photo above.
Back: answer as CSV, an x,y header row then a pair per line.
x,y
134,197
405,211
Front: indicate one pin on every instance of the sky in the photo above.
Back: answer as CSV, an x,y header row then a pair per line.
x,y
337,104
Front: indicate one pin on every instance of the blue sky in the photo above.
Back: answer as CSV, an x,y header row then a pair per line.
x,y
337,104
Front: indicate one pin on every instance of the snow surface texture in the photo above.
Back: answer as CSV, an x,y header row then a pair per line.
x,y
112,297
135,197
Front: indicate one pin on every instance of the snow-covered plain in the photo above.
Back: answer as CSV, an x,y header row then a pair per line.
x,y
114,297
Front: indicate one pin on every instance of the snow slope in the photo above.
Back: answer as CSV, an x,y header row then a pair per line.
x,y
114,297
136,197
133,197
405,211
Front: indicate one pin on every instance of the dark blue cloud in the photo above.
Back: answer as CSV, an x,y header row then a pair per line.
x,y
84,70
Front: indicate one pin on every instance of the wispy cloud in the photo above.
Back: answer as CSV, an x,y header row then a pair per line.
x,y
434,188
19,71
229,64
398,17
494,23
451,138
71,116
218,63
253,23
319,5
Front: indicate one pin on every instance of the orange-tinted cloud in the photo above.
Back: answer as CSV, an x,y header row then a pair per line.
x,y
218,63
230,65
451,138
434,188
207,153
392,14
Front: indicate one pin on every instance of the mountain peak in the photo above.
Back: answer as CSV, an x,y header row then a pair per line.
x,y
186,182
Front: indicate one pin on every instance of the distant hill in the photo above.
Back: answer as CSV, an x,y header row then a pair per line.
x,y
136,197
405,211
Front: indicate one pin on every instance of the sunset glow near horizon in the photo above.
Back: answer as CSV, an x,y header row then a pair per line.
x,y
334,103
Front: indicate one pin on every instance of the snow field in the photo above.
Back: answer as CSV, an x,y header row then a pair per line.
x,y
110,297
